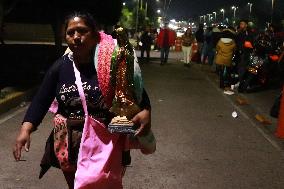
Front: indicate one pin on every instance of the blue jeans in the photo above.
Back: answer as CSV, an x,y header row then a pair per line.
x,y
211,56
164,54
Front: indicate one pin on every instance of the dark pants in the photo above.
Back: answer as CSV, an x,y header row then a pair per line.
x,y
243,61
164,54
147,52
225,76
211,55
245,78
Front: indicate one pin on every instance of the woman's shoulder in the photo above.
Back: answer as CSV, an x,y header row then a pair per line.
x,y
59,64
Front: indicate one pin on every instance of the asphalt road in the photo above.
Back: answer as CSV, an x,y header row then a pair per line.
x,y
199,144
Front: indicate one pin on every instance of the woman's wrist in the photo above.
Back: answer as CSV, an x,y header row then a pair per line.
x,y
27,127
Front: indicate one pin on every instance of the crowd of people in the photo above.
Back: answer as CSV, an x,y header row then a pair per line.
x,y
162,41
245,58
241,56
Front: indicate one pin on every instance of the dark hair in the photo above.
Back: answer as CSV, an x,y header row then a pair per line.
x,y
87,17
243,20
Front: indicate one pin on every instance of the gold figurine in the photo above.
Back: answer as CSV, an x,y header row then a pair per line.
x,y
124,104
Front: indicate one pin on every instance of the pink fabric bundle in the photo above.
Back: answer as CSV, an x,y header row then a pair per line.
x,y
99,160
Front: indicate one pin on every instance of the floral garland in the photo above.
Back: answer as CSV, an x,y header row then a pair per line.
x,y
106,48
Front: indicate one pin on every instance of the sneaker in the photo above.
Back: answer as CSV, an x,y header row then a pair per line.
x,y
228,92
237,85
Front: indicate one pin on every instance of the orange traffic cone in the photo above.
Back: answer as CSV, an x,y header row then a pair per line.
x,y
280,128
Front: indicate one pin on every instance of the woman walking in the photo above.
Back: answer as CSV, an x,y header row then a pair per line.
x,y
187,40
225,50
80,81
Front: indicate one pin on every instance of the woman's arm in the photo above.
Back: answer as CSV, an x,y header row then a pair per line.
x,y
36,111
44,97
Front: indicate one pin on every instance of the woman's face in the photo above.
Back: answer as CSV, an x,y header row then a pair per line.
x,y
79,37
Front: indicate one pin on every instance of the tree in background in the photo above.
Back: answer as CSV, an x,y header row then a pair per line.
x,y
127,19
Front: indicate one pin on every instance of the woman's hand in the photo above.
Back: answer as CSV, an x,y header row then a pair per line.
x,y
143,119
23,139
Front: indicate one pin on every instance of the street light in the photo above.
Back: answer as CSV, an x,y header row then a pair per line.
x,y
146,9
250,5
215,15
137,12
159,11
209,17
272,10
223,11
200,18
124,3
234,8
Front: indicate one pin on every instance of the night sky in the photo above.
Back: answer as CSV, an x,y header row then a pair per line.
x,y
189,9
192,8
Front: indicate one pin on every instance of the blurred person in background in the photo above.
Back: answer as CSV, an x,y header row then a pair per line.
x,y
199,36
206,45
146,42
166,39
225,50
187,40
244,40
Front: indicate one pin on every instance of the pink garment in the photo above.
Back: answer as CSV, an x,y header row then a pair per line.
x,y
99,160
54,106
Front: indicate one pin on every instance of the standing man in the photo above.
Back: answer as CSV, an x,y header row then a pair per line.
x,y
166,39
146,40
199,36
244,41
